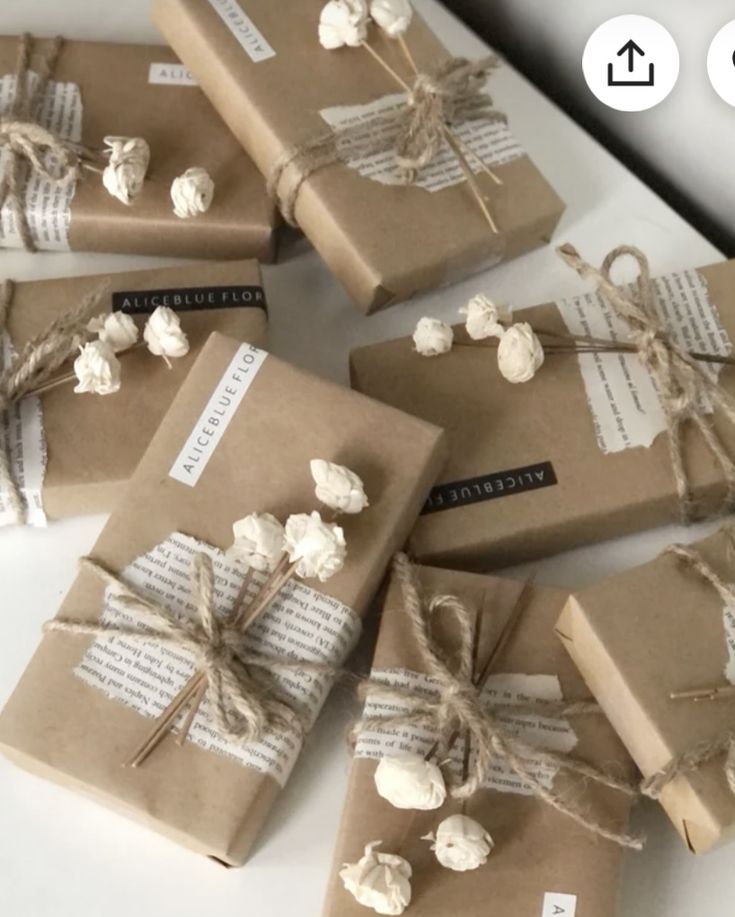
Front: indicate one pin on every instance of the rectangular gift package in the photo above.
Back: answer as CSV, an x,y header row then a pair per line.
x,y
578,454
662,629
100,89
541,858
74,453
263,68
238,439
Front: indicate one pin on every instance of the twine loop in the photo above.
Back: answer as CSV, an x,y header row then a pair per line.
x,y
686,390
458,708
242,687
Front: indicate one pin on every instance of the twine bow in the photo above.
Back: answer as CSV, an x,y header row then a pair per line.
x,y
684,386
694,758
242,689
27,144
458,708
414,130
36,362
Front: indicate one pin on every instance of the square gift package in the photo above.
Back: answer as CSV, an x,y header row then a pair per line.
x,y
73,453
667,628
542,858
576,455
264,70
84,703
99,89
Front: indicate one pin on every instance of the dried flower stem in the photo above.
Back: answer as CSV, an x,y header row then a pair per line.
x,y
696,694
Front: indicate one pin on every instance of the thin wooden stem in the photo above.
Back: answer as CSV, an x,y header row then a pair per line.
x,y
470,176
196,700
697,694
386,66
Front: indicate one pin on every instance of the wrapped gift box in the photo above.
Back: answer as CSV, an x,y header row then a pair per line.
x,y
194,481
263,68
99,89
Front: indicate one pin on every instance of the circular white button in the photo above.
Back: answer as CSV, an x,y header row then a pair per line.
x,y
721,63
631,63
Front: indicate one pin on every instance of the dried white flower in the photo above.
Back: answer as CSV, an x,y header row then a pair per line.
x,y
484,318
379,880
432,337
409,781
338,487
164,336
520,353
192,193
316,547
116,329
393,16
259,542
343,22
97,369
126,170
461,843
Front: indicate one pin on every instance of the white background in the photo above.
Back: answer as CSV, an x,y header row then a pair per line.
x,y
62,856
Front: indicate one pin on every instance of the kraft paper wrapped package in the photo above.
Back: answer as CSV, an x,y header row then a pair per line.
x,y
542,859
666,628
196,479
98,90
578,454
73,454
264,70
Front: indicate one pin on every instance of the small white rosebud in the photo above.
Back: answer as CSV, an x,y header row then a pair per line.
x,y
409,781
520,353
380,881
164,336
393,16
484,318
432,337
338,487
116,329
258,542
343,22
126,170
97,369
192,193
461,843
316,547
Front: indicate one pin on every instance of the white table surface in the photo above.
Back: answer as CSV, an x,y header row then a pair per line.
x,y
62,856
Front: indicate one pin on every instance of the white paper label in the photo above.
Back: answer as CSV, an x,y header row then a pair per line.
x,y
301,624
626,409
558,905
492,142
550,733
170,75
206,435
47,204
244,29
23,441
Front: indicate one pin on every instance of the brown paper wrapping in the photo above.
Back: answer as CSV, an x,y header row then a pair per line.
x,y
640,635
495,427
55,725
183,130
383,243
94,442
538,850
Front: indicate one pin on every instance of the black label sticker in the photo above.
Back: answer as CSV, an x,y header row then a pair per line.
x,y
189,299
490,487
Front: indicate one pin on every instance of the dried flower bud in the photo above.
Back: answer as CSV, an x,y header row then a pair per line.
x,y
520,354
192,193
380,881
116,329
484,318
338,487
343,22
433,337
409,781
97,369
126,170
316,547
164,336
461,843
259,542
393,16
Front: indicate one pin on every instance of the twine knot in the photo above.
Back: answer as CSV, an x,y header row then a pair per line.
x,y
244,693
686,389
459,709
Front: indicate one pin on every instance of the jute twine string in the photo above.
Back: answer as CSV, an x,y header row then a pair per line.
x,y
26,143
460,709
684,386
414,131
243,692
704,752
36,362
